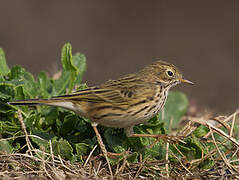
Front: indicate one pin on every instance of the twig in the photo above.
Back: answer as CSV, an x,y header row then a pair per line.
x,y
63,163
220,153
121,169
224,121
140,167
219,131
29,135
29,145
98,169
43,162
88,158
233,122
235,153
182,164
166,158
52,155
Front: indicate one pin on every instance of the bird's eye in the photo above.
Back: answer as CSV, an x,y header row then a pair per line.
x,y
170,73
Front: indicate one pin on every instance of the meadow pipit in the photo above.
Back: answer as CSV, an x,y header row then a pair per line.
x,y
122,103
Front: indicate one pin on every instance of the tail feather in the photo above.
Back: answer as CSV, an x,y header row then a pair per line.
x,y
32,102
68,104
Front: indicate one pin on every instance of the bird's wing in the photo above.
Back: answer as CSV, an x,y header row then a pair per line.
x,y
92,94
115,92
128,88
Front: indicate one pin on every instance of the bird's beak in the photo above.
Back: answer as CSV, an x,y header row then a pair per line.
x,y
186,81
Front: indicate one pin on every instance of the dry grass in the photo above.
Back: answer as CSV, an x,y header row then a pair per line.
x,y
37,164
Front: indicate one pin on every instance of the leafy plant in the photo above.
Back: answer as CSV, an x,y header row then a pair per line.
x,y
71,136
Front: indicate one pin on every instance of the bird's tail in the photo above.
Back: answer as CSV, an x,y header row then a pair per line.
x,y
35,102
63,102
59,102
76,102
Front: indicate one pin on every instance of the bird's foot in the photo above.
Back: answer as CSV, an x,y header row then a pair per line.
x,y
165,137
118,155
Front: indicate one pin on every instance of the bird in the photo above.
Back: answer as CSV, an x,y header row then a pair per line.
x,y
122,103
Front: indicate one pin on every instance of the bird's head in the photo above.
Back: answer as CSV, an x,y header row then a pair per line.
x,y
164,73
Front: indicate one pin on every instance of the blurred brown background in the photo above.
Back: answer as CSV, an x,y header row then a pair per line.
x,y
119,37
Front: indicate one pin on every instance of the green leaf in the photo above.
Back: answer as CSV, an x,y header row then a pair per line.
x,y
66,60
30,85
44,84
79,60
2,78
62,148
4,109
42,139
6,92
116,140
19,76
9,129
30,121
17,72
207,164
5,146
174,109
50,114
201,131
20,93
60,85
68,124
66,57
133,158
4,70
73,70
193,149
81,148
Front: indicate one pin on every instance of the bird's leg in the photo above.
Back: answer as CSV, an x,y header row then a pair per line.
x,y
130,133
102,146
116,155
165,137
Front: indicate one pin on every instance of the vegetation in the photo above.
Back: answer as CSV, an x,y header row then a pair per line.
x,y
56,143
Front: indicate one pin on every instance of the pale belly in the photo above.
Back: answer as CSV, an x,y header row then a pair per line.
x,y
122,122
127,120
